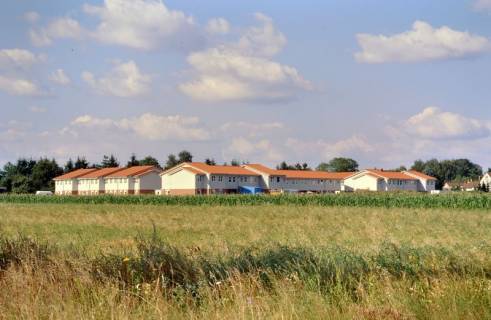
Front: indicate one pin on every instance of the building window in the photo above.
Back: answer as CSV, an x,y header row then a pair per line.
x,y
278,179
233,178
212,178
220,178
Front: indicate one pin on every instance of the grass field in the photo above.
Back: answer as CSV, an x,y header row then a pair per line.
x,y
243,262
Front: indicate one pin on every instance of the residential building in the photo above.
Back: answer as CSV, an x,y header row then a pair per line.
x,y
67,184
426,183
380,180
461,186
133,180
93,182
199,178
273,180
486,180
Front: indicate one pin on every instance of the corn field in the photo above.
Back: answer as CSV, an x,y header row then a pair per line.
x,y
379,200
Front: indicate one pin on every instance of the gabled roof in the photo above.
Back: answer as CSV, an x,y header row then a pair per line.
x,y
101,173
203,168
226,170
300,174
263,169
390,174
131,172
74,174
193,170
420,175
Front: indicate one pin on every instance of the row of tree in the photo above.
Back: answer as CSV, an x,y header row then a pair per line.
x,y
28,175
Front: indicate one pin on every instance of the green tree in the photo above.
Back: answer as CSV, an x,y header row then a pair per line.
x,y
419,165
69,166
109,161
133,161
12,176
8,172
81,163
21,184
297,166
339,165
171,161
185,156
149,161
43,173
210,162
449,170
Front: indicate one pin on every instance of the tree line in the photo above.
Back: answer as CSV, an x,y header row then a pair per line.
x,y
28,175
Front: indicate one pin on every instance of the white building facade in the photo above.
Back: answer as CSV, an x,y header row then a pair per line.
x,y
299,180
67,184
199,178
133,180
93,182
380,180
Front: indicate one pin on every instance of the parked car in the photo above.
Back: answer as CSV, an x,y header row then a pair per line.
x,y
44,193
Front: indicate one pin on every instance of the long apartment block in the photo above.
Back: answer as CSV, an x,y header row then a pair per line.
x,y
192,178
133,180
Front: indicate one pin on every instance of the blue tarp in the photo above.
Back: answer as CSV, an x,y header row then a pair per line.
x,y
250,190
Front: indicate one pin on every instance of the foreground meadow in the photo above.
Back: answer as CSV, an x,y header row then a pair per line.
x,y
242,262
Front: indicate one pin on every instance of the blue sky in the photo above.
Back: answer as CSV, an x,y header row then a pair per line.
x,y
384,82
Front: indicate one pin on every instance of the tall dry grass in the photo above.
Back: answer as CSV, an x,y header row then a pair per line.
x,y
158,280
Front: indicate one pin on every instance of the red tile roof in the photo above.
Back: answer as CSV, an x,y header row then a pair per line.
x,y
396,175
101,173
301,174
225,170
193,170
421,175
130,172
74,174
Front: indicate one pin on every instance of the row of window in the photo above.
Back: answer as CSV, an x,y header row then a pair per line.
x,y
230,179
116,180
401,182
60,183
94,181
305,182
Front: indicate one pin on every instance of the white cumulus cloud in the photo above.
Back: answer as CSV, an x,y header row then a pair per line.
x,y
60,28
21,58
150,126
243,70
422,43
433,123
246,149
19,87
124,80
60,77
140,24
218,26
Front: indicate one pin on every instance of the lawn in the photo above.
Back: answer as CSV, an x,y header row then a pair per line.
x,y
272,261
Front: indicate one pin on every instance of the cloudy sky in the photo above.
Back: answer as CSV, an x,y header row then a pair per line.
x,y
384,82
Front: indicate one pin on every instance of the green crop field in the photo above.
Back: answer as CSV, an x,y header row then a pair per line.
x,y
368,199
286,258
